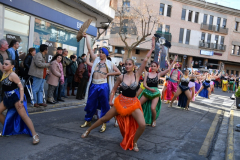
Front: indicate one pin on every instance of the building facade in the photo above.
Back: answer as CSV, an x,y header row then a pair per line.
x,y
203,34
55,23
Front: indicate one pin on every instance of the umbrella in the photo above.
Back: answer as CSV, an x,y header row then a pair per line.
x,y
83,29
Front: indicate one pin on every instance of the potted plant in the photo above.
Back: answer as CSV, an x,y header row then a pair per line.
x,y
237,95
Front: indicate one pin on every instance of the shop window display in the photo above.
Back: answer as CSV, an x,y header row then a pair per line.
x,y
55,36
12,19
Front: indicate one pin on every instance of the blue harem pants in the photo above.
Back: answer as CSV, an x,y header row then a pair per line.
x,y
98,98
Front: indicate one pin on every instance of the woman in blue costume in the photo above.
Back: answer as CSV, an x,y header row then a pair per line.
x,y
205,91
183,92
17,120
150,96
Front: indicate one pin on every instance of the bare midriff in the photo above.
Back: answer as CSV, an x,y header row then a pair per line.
x,y
97,75
174,75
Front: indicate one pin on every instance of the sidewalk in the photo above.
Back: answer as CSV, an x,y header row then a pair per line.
x,y
70,101
236,134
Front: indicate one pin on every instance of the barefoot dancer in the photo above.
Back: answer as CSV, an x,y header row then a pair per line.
x,y
205,91
150,97
183,92
100,83
127,107
17,120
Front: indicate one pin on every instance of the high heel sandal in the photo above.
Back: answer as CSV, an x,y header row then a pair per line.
x,y
135,147
116,123
85,134
36,139
154,124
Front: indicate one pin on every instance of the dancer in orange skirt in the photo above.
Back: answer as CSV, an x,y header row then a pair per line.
x,y
127,107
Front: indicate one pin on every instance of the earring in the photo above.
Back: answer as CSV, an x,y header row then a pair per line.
x,y
11,69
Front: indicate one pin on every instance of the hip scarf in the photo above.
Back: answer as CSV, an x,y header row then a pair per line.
x,y
211,83
99,81
141,86
127,124
13,123
231,84
98,98
197,86
147,105
171,87
165,93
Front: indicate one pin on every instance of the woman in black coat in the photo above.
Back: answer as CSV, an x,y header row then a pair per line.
x,y
28,60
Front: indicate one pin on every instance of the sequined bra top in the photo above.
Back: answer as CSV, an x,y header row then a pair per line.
x,y
129,91
152,82
100,65
184,81
8,85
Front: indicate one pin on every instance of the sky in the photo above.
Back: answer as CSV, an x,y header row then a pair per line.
x,y
228,3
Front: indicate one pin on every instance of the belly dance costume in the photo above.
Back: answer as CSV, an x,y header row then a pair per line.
x,y
13,123
166,91
152,83
231,84
224,84
98,96
206,85
190,85
125,104
182,100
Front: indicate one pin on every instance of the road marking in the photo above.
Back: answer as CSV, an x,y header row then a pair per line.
x,y
207,142
230,144
58,109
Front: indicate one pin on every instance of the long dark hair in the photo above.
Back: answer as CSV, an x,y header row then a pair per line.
x,y
55,57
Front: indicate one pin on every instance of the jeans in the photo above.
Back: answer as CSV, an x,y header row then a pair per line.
x,y
37,89
64,87
57,91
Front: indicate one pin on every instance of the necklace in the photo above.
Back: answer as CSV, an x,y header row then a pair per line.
x,y
5,75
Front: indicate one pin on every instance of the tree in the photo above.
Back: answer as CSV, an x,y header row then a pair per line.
x,y
134,24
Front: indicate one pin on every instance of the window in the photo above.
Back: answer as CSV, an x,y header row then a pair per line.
x,y
190,16
12,19
160,27
210,22
203,37
236,26
216,39
169,10
161,11
188,36
167,29
238,47
227,71
181,35
196,17
218,23
126,6
232,71
209,40
233,49
237,73
224,23
183,14
205,19
119,50
222,40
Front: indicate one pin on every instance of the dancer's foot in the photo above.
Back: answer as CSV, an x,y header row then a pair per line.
x,y
154,124
104,127
36,139
0,134
208,97
167,102
196,95
86,124
170,104
135,147
116,123
186,108
85,134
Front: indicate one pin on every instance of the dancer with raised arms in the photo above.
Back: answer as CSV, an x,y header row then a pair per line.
x,y
127,108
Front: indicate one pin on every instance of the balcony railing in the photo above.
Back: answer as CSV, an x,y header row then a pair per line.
x,y
214,28
212,46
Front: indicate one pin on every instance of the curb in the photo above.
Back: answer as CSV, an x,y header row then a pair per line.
x,y
230,144
58,105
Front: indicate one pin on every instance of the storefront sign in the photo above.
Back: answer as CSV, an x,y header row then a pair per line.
x,y
52,49
47,13
207,53
218,54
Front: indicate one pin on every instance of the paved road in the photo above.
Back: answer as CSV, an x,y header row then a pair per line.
x,y
179,135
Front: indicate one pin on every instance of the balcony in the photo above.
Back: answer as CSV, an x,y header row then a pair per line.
x,y
214,28
212,46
